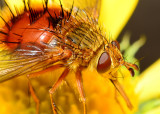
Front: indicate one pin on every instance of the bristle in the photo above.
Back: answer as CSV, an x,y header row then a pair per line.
x,y
70,12
1,32
62,11
11,42
9,9
25,8
6,23
17,34
34,15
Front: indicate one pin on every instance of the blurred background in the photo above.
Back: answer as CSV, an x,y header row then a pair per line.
x,y
145,20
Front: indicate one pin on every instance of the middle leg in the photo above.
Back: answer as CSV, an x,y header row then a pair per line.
x,y
55,86
80,88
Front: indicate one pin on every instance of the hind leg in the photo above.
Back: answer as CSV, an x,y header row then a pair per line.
x,y
35,98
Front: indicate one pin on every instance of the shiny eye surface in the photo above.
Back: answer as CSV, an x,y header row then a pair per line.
x,y
104,62
115,43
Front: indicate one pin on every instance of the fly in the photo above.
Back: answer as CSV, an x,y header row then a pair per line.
x,y
43,37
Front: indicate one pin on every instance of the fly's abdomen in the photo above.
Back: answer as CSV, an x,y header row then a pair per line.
x,y
85,38
38,26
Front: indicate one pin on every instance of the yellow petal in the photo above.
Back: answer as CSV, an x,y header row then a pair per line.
x,y
154,111
81,4
149,83
115,14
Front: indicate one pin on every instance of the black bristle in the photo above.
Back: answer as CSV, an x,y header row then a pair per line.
x,y
11,42
70,12
44,7
9,9
50,18
3,33
62,13
25,9
6,23
34,15
17,34
14,19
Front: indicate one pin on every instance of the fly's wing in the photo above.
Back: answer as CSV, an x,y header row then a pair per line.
x,y
27,59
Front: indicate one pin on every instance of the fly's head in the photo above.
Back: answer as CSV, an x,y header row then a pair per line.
x,y
111,59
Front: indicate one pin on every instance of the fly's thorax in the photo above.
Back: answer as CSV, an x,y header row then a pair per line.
x,y
84,38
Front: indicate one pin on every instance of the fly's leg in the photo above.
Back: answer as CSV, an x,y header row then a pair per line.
x,y
122,92
31,89
55,86
35,98
116,98
80,88
33,75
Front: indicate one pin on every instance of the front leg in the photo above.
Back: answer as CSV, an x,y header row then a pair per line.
x,y
122,92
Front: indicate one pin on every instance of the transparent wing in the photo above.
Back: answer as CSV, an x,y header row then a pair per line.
x,y
27,59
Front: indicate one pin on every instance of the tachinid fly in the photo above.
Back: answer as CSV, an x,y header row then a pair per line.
x,y
53,37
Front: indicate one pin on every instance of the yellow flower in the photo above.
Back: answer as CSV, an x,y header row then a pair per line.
x,y
101,95
148,89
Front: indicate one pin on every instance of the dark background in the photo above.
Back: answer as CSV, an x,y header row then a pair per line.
x,y
146,20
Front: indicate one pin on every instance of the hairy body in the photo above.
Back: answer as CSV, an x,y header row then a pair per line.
x,y
46,37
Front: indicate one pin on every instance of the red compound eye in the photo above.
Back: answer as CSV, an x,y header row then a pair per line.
x,y
104,62
115,43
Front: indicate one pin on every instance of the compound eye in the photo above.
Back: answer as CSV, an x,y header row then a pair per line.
x,y
115,43
104,62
